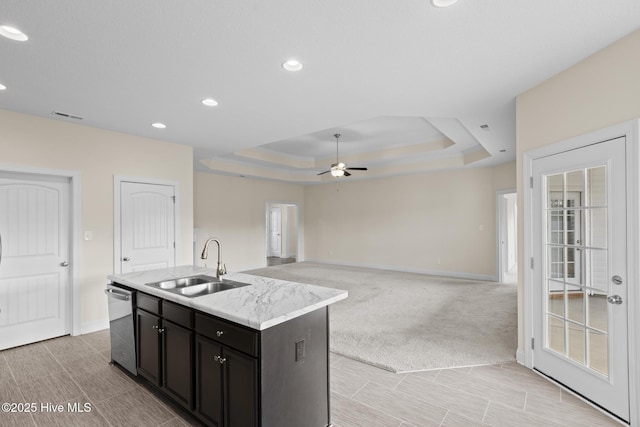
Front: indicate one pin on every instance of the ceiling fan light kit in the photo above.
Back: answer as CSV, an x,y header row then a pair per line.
x,y
338,168
336,171
443,3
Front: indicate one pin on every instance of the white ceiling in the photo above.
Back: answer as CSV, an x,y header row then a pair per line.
x,y
407,84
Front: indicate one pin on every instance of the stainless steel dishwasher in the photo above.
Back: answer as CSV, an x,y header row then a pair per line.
x,y
122,327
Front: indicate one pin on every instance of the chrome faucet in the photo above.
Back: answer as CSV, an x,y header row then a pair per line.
x,y
222,269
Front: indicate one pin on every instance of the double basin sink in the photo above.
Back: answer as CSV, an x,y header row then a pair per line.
x,y
196,286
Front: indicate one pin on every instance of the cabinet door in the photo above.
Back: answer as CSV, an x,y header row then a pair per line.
x,y
177,358
209,381
240,389
147,325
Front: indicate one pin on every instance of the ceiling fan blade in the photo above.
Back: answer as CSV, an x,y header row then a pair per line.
x,y
346,173
322,173
357,169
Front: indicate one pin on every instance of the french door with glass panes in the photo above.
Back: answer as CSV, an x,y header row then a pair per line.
x,y
579,248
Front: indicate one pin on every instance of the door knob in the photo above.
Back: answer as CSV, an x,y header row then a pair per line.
x,y
614,299
126,258
64,264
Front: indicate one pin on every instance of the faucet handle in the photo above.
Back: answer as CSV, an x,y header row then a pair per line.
x,y
222,269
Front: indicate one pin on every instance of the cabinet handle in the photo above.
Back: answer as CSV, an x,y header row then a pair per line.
x,y
154,327
219,359
219,333
160,330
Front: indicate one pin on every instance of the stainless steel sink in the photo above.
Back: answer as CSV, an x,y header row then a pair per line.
x,y
196,286
182,282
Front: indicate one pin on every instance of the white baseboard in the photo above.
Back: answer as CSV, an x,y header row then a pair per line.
x,y
520,357
95,326
454,274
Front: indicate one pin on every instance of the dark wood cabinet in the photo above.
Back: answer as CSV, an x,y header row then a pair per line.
x,y
226,385
209,399
165,348
177,362
240,383
230,375
148,346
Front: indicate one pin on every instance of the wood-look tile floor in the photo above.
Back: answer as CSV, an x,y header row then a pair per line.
x,y
75,370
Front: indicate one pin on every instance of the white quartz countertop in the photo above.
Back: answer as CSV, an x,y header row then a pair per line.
x,y
265,303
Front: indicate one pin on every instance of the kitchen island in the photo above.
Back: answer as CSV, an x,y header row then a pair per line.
x,y
256,355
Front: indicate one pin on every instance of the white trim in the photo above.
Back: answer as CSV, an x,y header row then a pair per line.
x,y
499,236
633,269
117,247
525,266
630,130
75,252
454,274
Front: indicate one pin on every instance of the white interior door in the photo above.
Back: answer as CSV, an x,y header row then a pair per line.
x,y
35,291
275,231
508,226
579,278
147,226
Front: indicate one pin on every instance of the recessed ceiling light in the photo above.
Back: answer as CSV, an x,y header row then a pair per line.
x,y
159,125
13,33
443,3
292,65
2,87
210,102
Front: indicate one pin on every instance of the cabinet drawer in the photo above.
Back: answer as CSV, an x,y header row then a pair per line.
x,y
149,303
179,314
227,333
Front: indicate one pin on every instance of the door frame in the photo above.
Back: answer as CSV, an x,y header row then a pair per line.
x,y
501,218
117,226
267,212
631,131
75,231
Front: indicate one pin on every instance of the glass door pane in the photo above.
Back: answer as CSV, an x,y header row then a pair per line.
x,y
576,267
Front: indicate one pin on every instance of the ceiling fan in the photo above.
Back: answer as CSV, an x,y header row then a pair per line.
x,y
340,169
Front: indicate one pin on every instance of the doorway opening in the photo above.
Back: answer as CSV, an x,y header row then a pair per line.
x,y
507,209
282,233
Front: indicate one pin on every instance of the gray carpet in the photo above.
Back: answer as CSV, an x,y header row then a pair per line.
x,y
410,322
